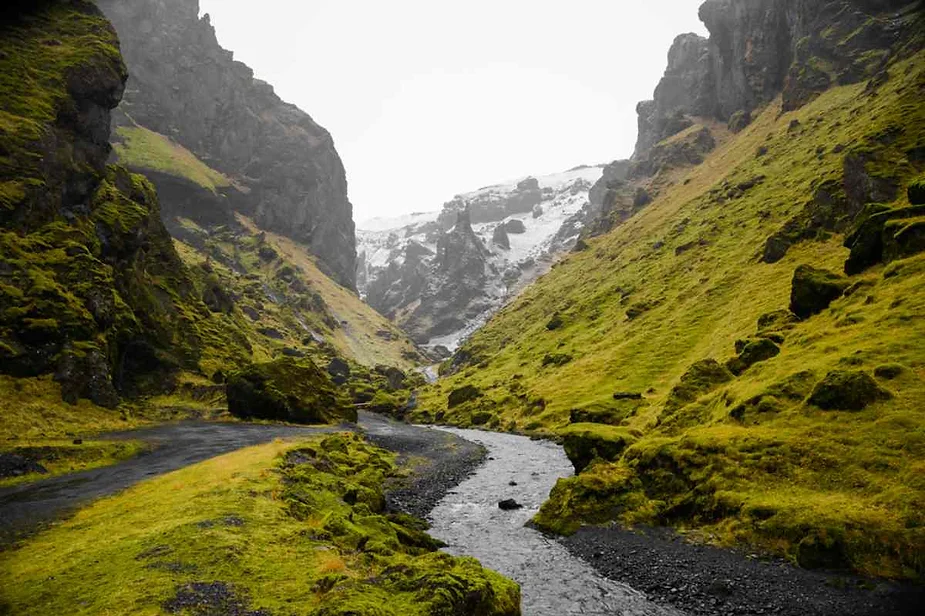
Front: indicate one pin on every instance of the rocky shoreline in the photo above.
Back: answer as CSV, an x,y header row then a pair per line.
x,y
440,462
702,579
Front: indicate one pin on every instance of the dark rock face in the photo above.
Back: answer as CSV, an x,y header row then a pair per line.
x,y
847,390
758,49
884,234
185,86
286,390
813,290
500,239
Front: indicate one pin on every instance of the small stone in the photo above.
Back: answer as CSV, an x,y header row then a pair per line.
x,y
509,504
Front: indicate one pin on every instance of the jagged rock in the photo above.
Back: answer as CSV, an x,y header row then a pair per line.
x,y
185,86
689,147
812,290
847,390
499,238
286,390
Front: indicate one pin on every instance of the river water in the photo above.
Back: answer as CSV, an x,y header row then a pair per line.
x,y
552,581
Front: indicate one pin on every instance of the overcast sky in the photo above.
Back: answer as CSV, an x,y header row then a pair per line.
x,y
429,98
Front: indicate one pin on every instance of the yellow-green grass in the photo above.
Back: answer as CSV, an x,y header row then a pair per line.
x,y
299,535
60,457
839,487
143,150
356,337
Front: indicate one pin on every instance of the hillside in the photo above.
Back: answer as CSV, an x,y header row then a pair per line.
x,y
699,374
287,175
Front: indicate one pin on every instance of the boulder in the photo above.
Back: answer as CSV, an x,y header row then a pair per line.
x,y
393,376
462,395
884,234
515,226
499,238
339,370
739,121
813,290
286,390
750,353
848,390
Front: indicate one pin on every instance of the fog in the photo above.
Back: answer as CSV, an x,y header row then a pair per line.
x,y
428,99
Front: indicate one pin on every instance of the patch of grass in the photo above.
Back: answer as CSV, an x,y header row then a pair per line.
x,y
278,527
60,457
145,150
696,464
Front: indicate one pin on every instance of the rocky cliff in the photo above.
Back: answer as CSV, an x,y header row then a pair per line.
x,y
91,288
282,167
440,275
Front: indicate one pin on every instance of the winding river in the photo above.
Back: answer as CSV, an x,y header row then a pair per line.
x,y
552,581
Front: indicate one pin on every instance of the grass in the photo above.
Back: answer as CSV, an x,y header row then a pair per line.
x,y
853,478
283,527
144,150
60,457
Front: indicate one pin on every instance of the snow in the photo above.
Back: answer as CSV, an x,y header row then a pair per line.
x,y
384,223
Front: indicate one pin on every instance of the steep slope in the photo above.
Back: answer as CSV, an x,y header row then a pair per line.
x,y
508,235
698,380
286,174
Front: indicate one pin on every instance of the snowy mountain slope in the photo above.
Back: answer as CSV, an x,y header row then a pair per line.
x,y
519,226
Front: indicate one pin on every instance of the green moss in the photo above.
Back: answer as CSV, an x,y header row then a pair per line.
x,y
585,443
144,150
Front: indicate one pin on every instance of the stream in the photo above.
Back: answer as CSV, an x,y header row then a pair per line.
x,y
552,581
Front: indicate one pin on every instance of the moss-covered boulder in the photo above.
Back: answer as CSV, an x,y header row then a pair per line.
x,y
750,353
813,290
883,234
286,390
700,378
584,443
848,390
464,394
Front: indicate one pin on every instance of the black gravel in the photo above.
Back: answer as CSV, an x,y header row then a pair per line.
x,y
708,580
441,461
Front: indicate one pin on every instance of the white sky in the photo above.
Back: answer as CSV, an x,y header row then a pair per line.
x,y
429,98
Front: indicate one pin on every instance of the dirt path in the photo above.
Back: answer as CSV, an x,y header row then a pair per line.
x,y
441,462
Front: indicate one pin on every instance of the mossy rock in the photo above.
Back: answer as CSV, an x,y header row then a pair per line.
x,y
286,390
700,378
739,121
889,371
610,413
778,320
555,322
813,290
464,394
585,443
884,234
555,359
849,390
752,352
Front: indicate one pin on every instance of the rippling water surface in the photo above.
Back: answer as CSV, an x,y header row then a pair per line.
x,y
552,581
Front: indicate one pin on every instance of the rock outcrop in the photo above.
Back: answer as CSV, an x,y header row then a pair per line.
x,y
286,173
